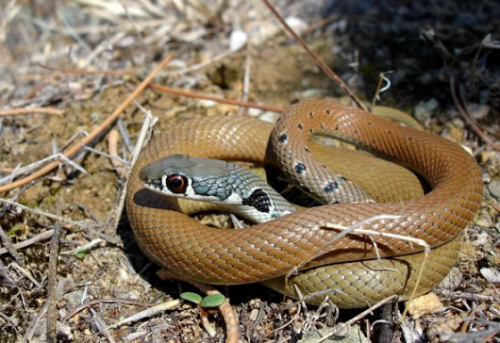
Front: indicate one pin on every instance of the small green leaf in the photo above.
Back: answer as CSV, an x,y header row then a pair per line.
x,y
190,296
15,230
82,254
213,300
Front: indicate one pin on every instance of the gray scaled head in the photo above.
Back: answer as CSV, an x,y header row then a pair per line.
x,y
174,175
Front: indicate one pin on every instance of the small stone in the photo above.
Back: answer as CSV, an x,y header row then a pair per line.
x,y
453,132
270,117
207,103
425,304
484,220
491,274
486,178
485,156
75,298
494,188
254,314
424,109
237,39
297,24
452,280
480,239
341,334
64,333
478,112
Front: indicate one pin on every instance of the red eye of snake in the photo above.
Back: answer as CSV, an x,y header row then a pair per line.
x,y
177,183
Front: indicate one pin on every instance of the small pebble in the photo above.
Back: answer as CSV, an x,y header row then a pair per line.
x,y
425,304
424,109
237,39
491,274
478,112
494,188
452,280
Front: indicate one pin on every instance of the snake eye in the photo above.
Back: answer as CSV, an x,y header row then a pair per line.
x,y
177,183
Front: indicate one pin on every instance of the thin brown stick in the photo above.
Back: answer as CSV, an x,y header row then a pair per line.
x,y
315,57
69,153
6,170
30,110
113,152
96,302
190,94
469,121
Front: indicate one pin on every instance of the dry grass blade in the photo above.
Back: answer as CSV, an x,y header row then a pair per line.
x,y
151,311
31,110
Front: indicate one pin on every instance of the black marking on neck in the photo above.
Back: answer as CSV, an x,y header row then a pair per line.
x,y
258,200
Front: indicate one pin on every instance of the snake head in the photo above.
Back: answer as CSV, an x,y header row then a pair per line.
x,y
176,175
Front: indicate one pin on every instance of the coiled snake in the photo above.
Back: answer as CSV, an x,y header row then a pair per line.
x,y
270,250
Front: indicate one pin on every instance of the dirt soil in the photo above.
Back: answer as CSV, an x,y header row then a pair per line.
x,y
85,58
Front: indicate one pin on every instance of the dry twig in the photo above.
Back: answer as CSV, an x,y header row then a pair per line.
x,y
30,110
94,134
315,57
190,94
468,119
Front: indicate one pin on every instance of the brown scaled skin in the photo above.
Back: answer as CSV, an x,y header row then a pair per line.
x,y
272,249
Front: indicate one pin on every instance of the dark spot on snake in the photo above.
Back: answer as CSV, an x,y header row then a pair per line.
x,y
341,178
300,168
311,114
410,138
336,127
283,138
311,130
307,149
330,187
389,131
327,111
258,200
355,131
369,123
300,127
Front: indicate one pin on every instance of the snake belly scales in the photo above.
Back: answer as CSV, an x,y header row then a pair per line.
x,y
268,251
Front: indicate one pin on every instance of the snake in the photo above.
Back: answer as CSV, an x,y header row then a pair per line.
x,y
360,270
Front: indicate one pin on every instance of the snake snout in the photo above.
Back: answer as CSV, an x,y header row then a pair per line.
x,y
145,174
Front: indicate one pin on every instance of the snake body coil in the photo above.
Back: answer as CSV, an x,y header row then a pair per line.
x,y
272,249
